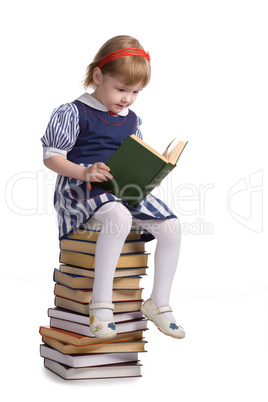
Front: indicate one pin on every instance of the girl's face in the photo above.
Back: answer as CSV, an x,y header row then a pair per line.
x,y
112,93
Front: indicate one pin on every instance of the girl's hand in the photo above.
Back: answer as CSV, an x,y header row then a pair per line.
x,y
98,172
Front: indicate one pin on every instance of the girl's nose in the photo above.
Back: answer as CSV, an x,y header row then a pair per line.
x,y
126,98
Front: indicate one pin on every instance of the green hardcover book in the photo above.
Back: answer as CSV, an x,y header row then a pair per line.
x,y
137,169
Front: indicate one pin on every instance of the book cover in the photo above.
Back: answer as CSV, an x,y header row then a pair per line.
x,y
137,169
88,260
85,295
66,315
113,347
89,247
80,373
83,329
86,360
82,308
81,282
75,339
90,273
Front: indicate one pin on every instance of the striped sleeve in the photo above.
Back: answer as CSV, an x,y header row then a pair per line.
x,y
62,131
138,131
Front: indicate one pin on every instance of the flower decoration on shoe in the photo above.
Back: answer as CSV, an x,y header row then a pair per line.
x,y
173,326
98,328
112,326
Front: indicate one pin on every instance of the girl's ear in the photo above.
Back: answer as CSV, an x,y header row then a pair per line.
x,y
97,75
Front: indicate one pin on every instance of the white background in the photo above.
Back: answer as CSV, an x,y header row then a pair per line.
x,y
209,86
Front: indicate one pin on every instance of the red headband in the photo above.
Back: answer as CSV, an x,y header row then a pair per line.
x,y
131,51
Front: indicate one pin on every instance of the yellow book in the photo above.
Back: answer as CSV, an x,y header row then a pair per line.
x,y
82,308
88,260
84,296
90,273
89,247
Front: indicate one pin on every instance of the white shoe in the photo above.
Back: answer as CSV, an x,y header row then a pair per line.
x,y
101,329
166,326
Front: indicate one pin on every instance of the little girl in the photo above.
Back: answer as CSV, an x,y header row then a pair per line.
x,y
80,137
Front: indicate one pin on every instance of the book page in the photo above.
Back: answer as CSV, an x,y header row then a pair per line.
x,y
175,152
149,147
165,153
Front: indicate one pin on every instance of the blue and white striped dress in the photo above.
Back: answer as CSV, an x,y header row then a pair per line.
x,y
61,138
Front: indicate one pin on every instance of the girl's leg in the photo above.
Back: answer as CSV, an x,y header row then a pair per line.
x,y
116,223
168,235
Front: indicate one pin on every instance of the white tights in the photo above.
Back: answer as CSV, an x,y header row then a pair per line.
x,y
116,223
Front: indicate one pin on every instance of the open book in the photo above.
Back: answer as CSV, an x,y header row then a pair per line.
x,y
137,168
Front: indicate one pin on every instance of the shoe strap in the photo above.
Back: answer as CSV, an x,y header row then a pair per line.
x,y
94,306
163,309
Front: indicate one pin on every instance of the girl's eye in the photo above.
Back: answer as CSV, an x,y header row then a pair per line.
x,y
121,90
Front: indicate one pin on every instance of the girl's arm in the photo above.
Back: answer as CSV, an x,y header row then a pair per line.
x,y
98,172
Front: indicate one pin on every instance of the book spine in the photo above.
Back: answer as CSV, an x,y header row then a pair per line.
x,y
161,175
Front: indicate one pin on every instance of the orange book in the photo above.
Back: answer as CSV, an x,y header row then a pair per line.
x,y
74,339
111,347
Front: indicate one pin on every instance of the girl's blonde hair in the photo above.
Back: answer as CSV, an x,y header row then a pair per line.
x,y
131,70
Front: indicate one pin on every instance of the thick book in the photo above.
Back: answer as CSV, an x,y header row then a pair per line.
x,y
78,318
72,338
83,329
85,295
137,169
112,347
87,373
86,360
89,247
90,273
88,260
82,308
81,282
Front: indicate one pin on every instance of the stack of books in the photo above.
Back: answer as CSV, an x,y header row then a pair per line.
x,y
69,348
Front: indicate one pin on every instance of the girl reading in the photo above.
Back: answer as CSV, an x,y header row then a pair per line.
x,y
79,139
